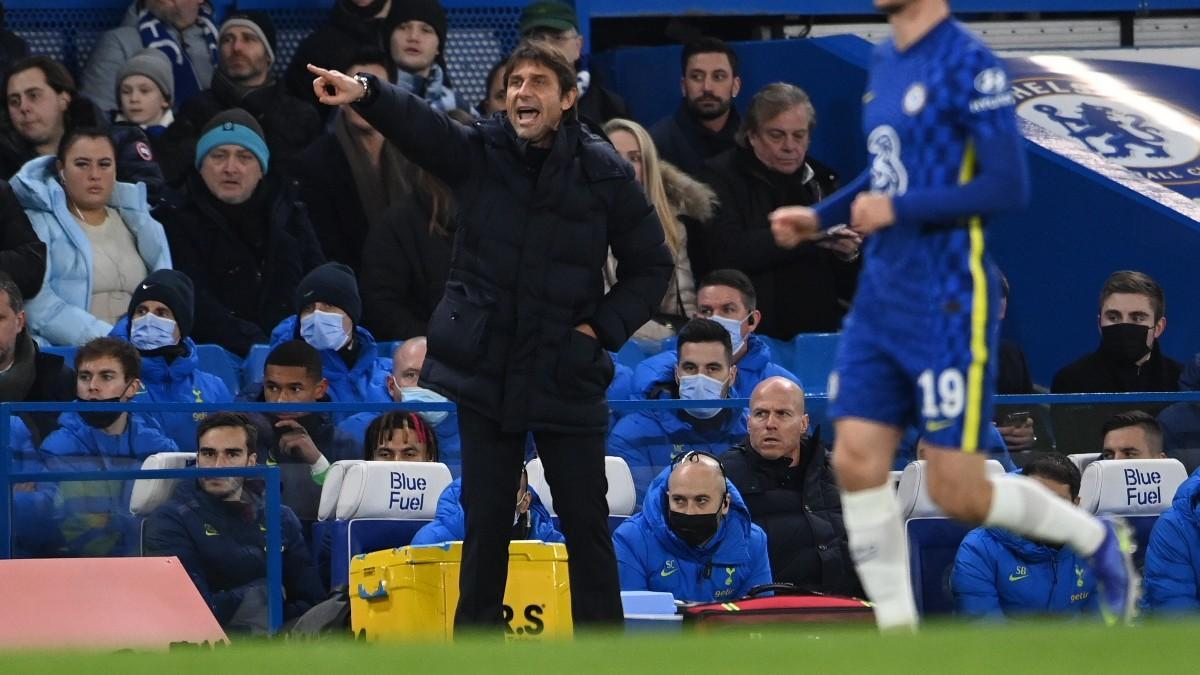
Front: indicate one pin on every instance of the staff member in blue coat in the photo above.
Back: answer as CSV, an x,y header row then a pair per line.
x,y
531,519
159,324
693,538
1173,556
998,574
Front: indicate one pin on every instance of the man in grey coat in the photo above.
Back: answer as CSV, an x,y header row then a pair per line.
x,y
181,29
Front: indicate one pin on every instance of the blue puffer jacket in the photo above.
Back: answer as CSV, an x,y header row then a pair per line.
x,y
998,574
222,545
95,515
449,523
59,313
650,557
35,523
754,367
176,382
1172,574
650,439
449,442
366,381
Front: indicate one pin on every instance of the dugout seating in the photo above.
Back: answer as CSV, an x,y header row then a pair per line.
x,y
1083,459
933,539
1138,490
622,497
378,505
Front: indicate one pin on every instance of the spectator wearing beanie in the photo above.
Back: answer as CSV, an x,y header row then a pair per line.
x,y
145,89
182,31
244,80
239,231
328,316
417,43
352,26
159,323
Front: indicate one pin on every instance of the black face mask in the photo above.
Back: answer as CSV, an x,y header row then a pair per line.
x,y
1124,342
98,419
694,529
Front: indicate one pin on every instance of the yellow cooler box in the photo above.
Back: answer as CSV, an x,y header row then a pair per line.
x,y
412,592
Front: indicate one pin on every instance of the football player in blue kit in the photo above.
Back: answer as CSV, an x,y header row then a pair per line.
x,y
917,347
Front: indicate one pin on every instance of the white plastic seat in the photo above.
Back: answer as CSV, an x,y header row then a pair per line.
x,y
913,493
149,493
621,495
395,490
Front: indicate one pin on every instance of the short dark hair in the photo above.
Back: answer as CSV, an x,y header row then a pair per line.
x,y
297,354
229,419
1137,418
121,350
735,279
771,101
15,300
372,56
704,330
709,45
57,75
546,54
380,429
75,134
1055,467
1137,283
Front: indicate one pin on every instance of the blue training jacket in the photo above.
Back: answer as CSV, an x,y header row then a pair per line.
x,y
1172,574
754,367
365,381
650,557
998,574
176,382
95,518
35,527
651,439
449,523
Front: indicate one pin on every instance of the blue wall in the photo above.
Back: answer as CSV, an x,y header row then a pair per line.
x,y
1079,228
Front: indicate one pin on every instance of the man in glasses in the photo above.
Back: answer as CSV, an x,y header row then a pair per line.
x,y
693,537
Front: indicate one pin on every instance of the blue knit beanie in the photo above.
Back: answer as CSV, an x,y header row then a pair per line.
x,y
233,127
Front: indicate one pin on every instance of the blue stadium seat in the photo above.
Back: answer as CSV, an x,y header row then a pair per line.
x,y
386,349
781,354
932,546
67,352
224,364
252,367
811,359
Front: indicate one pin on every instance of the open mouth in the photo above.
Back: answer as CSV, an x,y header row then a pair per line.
x,y
526,114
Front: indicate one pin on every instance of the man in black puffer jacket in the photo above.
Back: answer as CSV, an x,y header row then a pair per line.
x,y
520,335
786,481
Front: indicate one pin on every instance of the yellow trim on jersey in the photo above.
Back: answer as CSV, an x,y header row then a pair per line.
x,y
979,313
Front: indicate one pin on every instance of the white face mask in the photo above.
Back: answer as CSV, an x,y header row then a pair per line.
x,y
734,328
701,388
149,332
423,395
324,330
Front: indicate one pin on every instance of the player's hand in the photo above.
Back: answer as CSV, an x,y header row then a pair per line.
x,y
587,330
871,212
294,440
794,225
1018,437
846,244
335,88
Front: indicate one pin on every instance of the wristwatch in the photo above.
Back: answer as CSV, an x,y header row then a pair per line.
x,y
366,85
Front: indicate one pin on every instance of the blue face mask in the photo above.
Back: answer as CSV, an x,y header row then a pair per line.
x,y
734,328
423,395
701,388
150,332
324,330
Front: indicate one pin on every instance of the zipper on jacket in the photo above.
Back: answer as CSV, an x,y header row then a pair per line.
x,y
1053,580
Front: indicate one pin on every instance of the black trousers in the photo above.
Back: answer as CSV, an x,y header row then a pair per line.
x,y
491,474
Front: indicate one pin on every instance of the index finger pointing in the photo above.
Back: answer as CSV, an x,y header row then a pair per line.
x,y
316,70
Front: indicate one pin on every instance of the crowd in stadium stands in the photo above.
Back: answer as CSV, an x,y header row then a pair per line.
x,y
184,195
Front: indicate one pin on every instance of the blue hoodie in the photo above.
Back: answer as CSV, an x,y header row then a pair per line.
x,y
754,367
998,574
650,557
1172,573
650,439
95,514
449,523
176,382
365,382
58,314
449,442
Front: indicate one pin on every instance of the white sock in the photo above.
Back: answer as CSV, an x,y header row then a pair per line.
x,y
1026,507
880,553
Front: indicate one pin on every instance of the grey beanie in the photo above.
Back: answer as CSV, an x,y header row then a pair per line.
x,y
153,64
